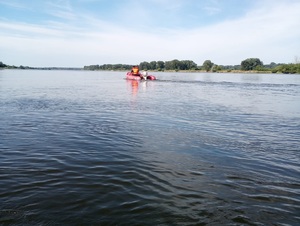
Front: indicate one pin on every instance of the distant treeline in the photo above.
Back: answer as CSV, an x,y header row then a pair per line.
x,y
250,64
2,65
114,67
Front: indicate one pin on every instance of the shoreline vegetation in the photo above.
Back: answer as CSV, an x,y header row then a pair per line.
x,y
250,65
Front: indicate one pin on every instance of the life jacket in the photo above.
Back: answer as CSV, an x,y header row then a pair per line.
x,y
135,70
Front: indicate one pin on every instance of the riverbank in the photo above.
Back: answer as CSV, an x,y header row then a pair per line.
x,y
169,71
221,71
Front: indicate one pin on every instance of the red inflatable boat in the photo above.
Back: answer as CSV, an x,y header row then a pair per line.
x,y
139,76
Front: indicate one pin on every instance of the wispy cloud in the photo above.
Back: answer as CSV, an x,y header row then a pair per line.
x,y
212,10
64,5
62,14
61,9
212,7
14,4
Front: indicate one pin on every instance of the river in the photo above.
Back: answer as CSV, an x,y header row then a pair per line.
x,y
91,148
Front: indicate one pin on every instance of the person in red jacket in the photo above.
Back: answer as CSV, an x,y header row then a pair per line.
x,y
135,70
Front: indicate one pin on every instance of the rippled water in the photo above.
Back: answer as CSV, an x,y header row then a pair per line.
x,y
90,148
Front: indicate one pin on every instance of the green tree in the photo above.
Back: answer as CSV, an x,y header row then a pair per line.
x,y
172,65
2,64
187,65
287,69
272,65
92,67
160,65
207,65
152,65
216,68
176,64
251,64
145,66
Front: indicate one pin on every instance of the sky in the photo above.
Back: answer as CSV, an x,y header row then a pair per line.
x,y
75,33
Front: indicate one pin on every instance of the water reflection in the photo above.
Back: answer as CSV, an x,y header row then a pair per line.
x,y
135,86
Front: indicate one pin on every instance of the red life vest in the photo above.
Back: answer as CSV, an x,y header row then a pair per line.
x,y
135,70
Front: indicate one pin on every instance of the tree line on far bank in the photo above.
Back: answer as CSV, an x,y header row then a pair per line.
x,y
2,65
250,64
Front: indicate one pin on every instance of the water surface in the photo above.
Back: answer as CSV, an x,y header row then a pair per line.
x,y
91,148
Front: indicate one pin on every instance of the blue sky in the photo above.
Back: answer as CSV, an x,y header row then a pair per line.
x,y
74,33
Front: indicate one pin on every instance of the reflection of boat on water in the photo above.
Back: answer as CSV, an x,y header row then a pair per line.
x,y
135,85
139,76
